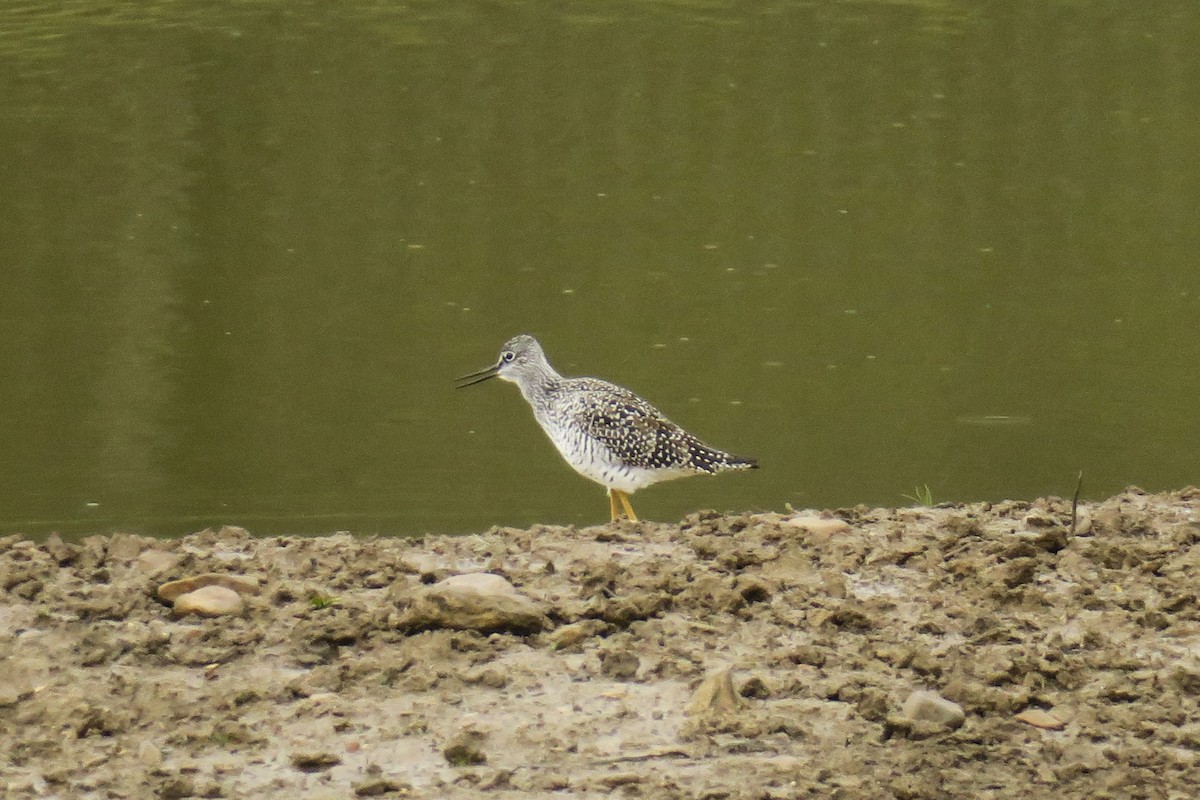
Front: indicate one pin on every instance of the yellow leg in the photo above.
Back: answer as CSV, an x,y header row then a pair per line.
x,y
612,505
628,506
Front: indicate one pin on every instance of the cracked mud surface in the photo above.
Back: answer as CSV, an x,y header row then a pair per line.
x,y
997,608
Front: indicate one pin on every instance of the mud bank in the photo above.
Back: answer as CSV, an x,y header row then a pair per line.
x,y
1058,664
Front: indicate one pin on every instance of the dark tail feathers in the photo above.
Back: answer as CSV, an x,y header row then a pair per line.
x,y
710,460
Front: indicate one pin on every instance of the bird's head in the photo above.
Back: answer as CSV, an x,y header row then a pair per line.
x,y
521,359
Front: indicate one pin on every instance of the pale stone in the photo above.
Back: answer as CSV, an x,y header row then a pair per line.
x,y
924,706
239,584
819,525
478,601
486,583
1041,719
208,601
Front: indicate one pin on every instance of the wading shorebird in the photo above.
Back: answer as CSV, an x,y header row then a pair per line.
x,y
607,433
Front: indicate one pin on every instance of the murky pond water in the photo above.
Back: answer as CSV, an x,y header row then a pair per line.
x,y
881,245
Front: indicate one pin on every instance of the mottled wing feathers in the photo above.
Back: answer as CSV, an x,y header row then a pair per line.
x,y
640,435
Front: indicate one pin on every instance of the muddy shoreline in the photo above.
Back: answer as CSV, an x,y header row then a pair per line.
x,y
593,660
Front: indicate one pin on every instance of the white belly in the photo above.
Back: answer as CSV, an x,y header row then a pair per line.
x,y
596,462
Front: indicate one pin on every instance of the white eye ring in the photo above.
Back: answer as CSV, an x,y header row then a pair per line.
x,y
507,356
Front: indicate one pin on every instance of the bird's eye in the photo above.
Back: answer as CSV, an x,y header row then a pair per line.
x,y
507,356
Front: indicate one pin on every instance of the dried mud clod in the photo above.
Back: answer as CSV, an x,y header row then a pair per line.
x,y
465,748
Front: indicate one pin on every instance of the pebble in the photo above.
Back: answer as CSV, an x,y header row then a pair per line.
x,y
820,525
240,584
922,706
485,583
208,601
1041,719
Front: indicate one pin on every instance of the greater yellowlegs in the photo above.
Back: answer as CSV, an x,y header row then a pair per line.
x,y
607,433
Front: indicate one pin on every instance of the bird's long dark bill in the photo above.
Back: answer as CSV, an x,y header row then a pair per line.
x,y
477,377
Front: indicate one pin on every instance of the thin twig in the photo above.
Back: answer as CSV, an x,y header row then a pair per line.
x,y
673,752
1075,502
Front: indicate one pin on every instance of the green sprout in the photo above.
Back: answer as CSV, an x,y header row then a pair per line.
x,y
318,601
922,495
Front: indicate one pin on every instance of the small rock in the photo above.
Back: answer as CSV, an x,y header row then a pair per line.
x,y
240,584
814,524
315,761
715,695
927,714
465,749
479,601
208,601
485,583
1041,719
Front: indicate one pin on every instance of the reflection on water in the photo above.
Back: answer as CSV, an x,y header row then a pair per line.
x,y
875,245
994,419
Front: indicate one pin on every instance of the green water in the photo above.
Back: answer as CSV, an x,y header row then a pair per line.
x,y
247,246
